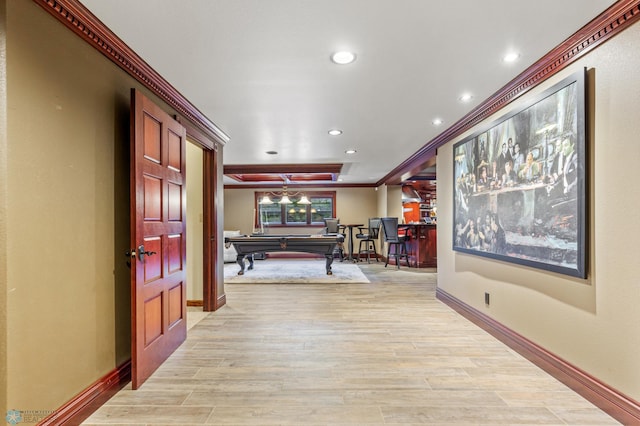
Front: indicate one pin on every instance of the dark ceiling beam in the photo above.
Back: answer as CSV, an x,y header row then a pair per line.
x,y
281,169
322,186
611,22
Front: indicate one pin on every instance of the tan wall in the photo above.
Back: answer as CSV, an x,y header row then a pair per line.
x,y
67,173
353,205
239,206
394,202
67,211
3,210
194,222
356,205
382,200
591,323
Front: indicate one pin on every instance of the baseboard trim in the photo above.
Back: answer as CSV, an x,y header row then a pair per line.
x,y
617,405
89,400
195,303
220,302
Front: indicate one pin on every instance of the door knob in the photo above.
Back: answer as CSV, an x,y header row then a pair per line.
x,y
142,253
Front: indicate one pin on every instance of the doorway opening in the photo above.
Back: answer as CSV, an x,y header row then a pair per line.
x,y
195,234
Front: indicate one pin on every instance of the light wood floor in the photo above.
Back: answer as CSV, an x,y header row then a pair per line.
x,y
381,353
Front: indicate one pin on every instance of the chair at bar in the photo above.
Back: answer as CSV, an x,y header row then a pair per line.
x,y
395,241
368,237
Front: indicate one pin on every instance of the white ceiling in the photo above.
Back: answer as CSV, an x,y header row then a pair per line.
x,y
260,69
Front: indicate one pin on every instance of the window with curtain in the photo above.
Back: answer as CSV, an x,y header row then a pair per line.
x,y
323,204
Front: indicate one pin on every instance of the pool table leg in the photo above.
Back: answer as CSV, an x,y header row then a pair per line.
x,y
240,261
329,262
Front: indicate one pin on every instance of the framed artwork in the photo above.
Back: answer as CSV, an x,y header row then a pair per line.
x,y
519,192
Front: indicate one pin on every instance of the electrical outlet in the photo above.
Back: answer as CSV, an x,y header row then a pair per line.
x,y
486,299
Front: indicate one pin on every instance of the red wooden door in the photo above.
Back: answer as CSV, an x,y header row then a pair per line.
x,y
158,287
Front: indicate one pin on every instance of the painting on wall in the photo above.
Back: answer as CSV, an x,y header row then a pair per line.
x,y
519,193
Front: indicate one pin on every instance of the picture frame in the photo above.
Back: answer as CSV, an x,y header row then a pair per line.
x,y
519,184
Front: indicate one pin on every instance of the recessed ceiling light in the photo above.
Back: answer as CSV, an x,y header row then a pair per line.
x,y
437,121
465,97
272,152
335,132
511,57
350,151
343,58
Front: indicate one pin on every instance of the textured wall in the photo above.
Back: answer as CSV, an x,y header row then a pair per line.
x,y
591,323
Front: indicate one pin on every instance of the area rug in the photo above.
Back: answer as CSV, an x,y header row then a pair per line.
x,y
294,271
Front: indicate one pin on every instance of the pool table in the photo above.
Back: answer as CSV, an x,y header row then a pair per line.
x,y
246,246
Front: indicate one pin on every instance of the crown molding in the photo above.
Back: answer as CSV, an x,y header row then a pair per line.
x,y
611,22
81,21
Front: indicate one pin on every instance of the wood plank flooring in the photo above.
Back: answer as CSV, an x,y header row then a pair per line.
x,y
383,353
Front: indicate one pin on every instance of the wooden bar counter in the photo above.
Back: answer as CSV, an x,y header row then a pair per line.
x,y
423,248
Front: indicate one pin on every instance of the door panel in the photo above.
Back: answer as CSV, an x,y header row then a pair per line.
x,y
158,240
152,138
152,319
153,264
175,202
176,151
152,198
174,253
176,313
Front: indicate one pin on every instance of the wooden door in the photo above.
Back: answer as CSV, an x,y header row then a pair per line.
x,y
158,287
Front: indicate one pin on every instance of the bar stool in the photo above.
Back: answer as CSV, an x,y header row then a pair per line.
x,y
332,227
398,242
368,237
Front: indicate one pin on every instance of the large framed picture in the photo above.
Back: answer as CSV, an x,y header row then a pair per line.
x,y
520,184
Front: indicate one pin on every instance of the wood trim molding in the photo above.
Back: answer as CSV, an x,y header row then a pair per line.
x,y
324,186
211,213
89,400
613,21
82,22
221,301
289,174
198,137
239,169
609,400
195,303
